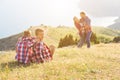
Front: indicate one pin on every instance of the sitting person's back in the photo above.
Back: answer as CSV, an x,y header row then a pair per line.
x,y
24,48
42,53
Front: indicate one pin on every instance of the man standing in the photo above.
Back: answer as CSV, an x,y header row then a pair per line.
x,y
85,22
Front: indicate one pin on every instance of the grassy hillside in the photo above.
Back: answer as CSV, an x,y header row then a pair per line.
x,y
115,25
53,35
9,42
106,32
100,62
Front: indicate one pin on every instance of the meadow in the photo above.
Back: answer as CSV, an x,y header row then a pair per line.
x,y
100,62
54,34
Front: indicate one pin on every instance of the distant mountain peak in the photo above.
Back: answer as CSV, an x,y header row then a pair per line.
x,y
117,20
116,25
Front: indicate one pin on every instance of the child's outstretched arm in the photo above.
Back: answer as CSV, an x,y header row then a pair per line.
x,y
52,49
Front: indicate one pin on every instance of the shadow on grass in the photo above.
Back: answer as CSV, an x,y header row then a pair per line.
x,y
12,65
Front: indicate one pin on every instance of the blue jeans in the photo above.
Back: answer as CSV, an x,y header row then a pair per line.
x,y
88,36
84,38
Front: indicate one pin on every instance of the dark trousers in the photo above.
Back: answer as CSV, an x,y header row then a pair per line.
x,y
88,36
85,38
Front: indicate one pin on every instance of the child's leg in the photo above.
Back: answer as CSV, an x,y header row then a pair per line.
x,y
52,49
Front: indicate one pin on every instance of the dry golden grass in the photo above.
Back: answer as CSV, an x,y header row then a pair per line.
x,y
100,62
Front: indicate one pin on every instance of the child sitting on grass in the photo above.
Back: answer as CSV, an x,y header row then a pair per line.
x,y
42,53
24,48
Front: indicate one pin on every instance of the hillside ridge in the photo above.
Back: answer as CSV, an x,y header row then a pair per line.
x,y
53,35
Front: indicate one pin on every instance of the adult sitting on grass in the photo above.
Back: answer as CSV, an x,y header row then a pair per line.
x,y
24,48
42,53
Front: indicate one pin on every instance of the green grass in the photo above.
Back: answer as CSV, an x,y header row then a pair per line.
x,y
53,35
100,62
105,32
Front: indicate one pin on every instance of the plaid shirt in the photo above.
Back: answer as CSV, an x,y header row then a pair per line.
x,y
41,53
86,22
24,49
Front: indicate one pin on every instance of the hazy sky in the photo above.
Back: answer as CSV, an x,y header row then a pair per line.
x,y
101,8
18,15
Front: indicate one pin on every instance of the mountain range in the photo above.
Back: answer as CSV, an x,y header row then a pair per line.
x,y
116,25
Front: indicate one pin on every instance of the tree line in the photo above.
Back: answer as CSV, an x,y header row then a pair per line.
x,y
69,40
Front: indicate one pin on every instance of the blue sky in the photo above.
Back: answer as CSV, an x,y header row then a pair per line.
x,y
18,15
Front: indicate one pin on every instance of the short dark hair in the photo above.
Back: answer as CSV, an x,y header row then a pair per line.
x,y
82,13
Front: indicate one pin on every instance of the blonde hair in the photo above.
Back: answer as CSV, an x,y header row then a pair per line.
x,y
26,33
37,31
75,19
